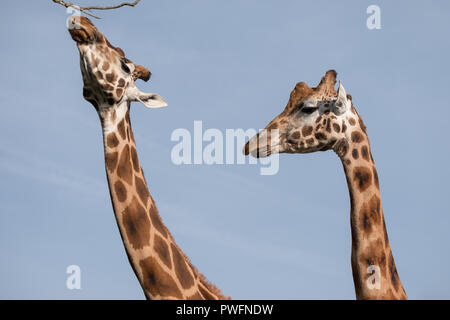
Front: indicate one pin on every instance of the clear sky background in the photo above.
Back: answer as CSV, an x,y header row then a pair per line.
x,y
231,64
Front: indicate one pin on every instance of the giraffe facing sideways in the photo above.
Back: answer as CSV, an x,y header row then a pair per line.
x,y
161,267
320,119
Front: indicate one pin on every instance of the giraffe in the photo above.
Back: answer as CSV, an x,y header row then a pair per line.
x,y
320,119
163,270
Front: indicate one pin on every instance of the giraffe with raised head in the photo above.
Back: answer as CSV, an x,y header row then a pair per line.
x,y
161,267
320,119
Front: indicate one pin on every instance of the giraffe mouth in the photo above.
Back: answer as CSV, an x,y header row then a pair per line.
x,y
261,151
82,29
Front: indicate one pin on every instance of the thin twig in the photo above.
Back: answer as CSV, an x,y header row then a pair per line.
x,y
89,8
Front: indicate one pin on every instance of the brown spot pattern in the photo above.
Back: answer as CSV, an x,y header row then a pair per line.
x,y
162,249
134,159
124,168
336,127
110,77
306,131
341,148
121,128
365,153
121,191
136,224
371,214
206,294
375,177
181,268
111,160
142,190
296,135
121,83
105,66
357,137
156,220
157,281
362,177
111,140
320,136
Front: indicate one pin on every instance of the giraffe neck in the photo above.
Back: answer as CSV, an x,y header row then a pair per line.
x,y
162,269
371,253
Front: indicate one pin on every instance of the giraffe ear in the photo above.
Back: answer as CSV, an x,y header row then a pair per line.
x,y
152,100
341,105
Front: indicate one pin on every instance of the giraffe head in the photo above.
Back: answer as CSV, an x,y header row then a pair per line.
x,y
315,119
108,76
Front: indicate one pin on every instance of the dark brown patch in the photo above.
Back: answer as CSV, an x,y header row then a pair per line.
x,y
134,159
111,140
124,170
121,83
320,136
318,119
355,154
370,214
121,191
310,141
328,128
341,148
296,135
157,281
156,220
99,75
362,177
162,249
352,121
206,294
136,224
306,131
336,127
108,87
365,153
357,137
121,128
105,66
142,190
181,268
375,177
111,160
344,126
110,77
119,92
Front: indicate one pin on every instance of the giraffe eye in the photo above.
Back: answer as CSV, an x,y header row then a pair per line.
x,y
309,110
124,66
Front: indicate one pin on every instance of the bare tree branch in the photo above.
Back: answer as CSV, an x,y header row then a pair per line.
x,y
87,10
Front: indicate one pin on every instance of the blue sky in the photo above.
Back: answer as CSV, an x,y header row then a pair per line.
x,y
231,64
